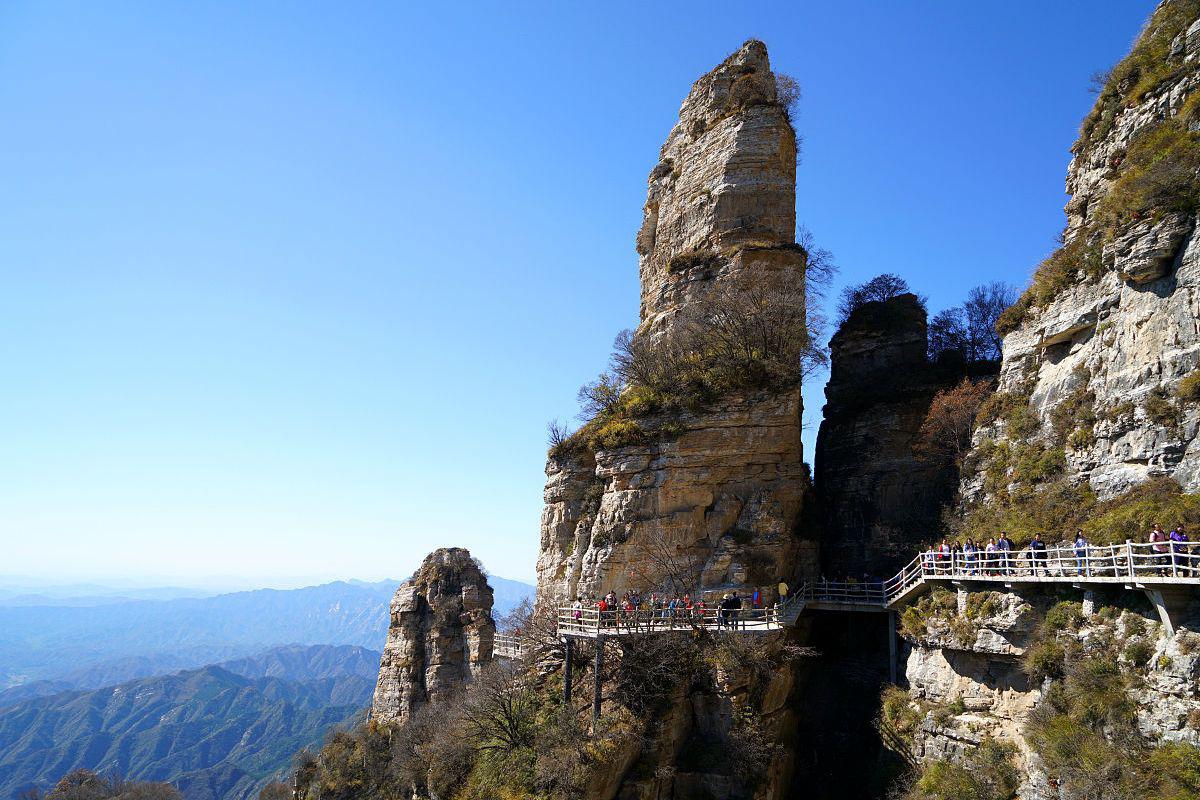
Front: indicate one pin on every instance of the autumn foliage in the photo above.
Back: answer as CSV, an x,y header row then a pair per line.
x,y
945,435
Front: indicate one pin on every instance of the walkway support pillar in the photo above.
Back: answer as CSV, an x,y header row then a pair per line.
x,y
599,666
1160,605
891,625
567,671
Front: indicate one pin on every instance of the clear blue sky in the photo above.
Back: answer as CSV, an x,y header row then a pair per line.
x,y
291,289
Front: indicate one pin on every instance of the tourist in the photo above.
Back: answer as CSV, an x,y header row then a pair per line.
x,y
1037,556
989,559
970,556
1082,567
735,609
1179,551
1004,547
577,612
1158,545
956,556
783,592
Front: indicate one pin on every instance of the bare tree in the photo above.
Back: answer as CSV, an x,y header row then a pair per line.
x,y
556,434
982,309
948,336
601,396
879,289
499,711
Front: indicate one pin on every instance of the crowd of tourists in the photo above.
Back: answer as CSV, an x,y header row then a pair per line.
x,y
654,610
1169,553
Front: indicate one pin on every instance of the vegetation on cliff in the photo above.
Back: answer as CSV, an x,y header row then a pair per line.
x,y
1157,174
509,735
1085,728
736,340
84,784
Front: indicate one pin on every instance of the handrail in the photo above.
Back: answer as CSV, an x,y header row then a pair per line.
x,y
506,645
592,622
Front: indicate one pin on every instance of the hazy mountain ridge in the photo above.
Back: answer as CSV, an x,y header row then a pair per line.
x,y
216,732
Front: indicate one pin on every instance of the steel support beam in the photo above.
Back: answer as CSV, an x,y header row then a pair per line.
x,y
891,626
599,666
567,672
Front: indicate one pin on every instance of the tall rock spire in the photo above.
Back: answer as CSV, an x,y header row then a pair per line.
x,y
723,193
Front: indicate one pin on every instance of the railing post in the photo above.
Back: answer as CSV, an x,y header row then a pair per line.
x,y
1129,557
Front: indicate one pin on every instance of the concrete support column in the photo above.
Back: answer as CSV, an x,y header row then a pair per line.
x,y
1160,605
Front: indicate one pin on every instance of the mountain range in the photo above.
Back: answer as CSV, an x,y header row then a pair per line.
x,y
220,731
50,648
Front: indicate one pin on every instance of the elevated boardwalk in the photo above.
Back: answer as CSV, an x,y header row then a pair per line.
x,y
1169,573
1161,573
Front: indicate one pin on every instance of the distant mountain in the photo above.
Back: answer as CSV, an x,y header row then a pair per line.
x,y
43,642
44,649
217,732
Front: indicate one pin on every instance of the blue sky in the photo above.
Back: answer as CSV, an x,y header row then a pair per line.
x,y
290,290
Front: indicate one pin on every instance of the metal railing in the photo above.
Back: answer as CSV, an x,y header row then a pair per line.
x,y
591,622
1139,562
506,645
1130,562
852,592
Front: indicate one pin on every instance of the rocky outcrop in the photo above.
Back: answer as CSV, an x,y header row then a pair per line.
x,y
966,691
713,499
715,506
1123,329
879,499
440,634
708,498
721,204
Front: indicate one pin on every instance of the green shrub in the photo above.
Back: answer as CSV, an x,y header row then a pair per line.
x,y
1145,68
1161,409
1138,652
1130,515
1189,388
987,773
1063,615
1044,660
1157,174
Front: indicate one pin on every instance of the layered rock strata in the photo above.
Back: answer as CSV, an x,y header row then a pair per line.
x,y
879,500
1123,332
440,634
721,204
713,498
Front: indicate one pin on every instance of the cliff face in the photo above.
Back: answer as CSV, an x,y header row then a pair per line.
x,y
440,634
1110,325
969,682
879,500
716,502
721,203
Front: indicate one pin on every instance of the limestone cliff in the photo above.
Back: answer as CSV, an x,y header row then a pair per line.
x,y
440,634
715,496
879,500
1109,329
969,677
721,203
